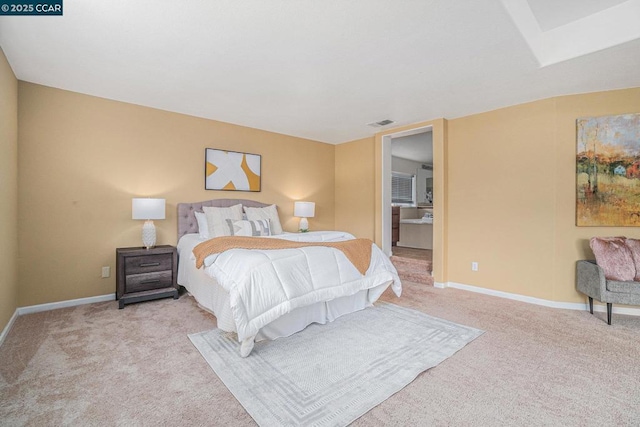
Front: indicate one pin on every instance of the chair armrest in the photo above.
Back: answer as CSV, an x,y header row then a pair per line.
x,y
590,279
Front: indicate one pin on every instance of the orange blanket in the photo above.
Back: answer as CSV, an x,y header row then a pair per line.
x,y
358,251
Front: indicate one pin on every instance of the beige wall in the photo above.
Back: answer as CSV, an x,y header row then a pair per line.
x,y
512,195
507,196
502,184
8,192
355,190
82,159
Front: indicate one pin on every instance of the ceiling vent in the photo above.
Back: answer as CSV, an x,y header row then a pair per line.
x,y
381,123
427,167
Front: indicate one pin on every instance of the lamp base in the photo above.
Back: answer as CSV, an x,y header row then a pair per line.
x,y
304,225
148,234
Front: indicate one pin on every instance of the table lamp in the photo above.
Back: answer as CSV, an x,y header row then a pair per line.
x,y
148,210
304,210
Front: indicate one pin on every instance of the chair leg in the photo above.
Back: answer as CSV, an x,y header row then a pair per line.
x,y
609,309
591,305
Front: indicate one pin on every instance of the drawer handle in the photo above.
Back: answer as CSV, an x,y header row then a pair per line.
x,y
149,264
144,282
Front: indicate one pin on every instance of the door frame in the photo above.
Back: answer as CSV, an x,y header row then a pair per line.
x,y
383,191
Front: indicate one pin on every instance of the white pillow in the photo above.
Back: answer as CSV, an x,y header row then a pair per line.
x,y
203,227
257,228
270,213
217,217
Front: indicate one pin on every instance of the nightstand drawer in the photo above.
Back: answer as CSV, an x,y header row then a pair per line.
x,y
148,281
148,263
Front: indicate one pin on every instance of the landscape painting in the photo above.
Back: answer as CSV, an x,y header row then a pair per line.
x,y
608,171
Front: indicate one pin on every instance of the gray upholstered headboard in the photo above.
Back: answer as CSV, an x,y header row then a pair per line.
x,y
187,220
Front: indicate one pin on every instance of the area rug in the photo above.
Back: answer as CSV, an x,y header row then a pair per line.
x,y
329,375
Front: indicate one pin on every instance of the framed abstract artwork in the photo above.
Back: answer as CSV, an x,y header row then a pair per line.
x,y
608,171
231,170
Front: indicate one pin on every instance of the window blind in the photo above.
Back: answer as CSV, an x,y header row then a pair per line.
x,y
402,188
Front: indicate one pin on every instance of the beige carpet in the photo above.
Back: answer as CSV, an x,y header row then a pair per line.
x,y
413,270
97,365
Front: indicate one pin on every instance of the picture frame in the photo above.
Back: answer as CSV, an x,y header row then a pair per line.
x,y
608,171
232,171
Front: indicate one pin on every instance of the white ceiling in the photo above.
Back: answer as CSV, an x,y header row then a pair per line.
x,y
552,14
417,147
324,69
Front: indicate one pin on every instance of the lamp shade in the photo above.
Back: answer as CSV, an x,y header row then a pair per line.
x,y
304,209
147,208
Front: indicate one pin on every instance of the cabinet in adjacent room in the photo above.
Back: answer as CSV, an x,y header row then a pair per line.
x,y
395,225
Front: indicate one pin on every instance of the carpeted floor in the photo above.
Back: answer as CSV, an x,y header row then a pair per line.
x,y
97,365
413,270
413,253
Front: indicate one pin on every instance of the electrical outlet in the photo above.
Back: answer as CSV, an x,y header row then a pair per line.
x,y
474,266
106,272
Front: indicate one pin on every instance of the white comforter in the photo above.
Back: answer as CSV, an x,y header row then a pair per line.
x,y
266,284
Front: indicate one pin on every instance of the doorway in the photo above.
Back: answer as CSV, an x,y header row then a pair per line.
x,y
411,236
383,191
404,153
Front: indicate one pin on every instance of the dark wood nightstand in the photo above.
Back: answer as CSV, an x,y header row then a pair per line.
x,y
146,274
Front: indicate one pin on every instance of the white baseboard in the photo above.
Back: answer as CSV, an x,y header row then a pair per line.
x,y
63,304
539,301
52,306
7,328
439,285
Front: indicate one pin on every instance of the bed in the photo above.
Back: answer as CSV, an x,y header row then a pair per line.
x,y
210,287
